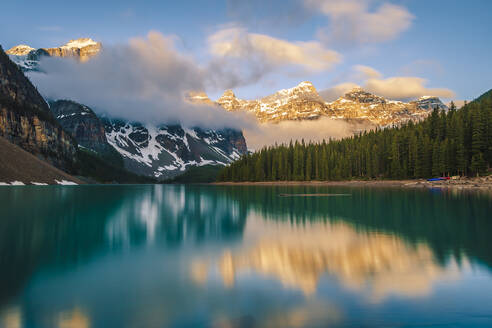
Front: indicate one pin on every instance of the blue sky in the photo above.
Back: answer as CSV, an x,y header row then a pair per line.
x,y
446,42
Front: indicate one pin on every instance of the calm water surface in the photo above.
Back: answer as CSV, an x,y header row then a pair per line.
x,y
211,256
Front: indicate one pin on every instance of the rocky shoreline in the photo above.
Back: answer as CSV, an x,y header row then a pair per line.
x,y
457,183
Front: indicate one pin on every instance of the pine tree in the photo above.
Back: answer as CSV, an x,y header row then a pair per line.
x,y
457,142
309,166
259,169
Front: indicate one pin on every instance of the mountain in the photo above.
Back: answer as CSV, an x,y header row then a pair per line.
x,y
82,49
27,57
157,151
363,105
303,102
164,151
86,127
486,97
199,98
20,50
26,120
444,144
17,166
298,103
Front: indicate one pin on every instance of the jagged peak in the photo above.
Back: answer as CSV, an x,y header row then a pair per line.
x,y
360,95
357,89
228,94
430,103
80,43
304,86
428,97
198,97
197,94
20,50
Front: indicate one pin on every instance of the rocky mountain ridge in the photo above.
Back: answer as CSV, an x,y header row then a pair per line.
x,y
158,151
85,126
80,49
52,131
164,151
26,120
303,102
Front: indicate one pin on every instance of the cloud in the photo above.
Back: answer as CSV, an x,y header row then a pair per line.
x,y
311,130
404,88
337,91
146,80
353,22
457,102
237,43
366,72
398,87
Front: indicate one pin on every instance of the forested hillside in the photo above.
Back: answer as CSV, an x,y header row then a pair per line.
x,y
457,142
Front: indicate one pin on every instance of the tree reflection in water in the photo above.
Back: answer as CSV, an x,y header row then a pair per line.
x,y
172,252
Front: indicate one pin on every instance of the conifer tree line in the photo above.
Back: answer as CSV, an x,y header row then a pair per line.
x,y
456,142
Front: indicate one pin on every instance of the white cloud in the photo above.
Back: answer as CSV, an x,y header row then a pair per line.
x,y
366,72
457,102
238,43
146,81
352,21
404,87
337,91
398,87
267,134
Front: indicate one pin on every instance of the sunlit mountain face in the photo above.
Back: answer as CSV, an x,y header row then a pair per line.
x,y
378,265
158,255
303,102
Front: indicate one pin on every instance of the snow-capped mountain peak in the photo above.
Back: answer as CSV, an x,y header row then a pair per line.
x,y
303,87
303,102
28,58
80,43
164,151
430,103
20,50
199,97
161,151
361,96
229,101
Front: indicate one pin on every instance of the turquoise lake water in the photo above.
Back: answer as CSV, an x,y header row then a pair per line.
x,y
244,256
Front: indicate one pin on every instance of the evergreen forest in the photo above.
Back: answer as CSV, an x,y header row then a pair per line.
x,y
446,143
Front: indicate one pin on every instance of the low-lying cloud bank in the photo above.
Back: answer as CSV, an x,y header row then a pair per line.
x,y
146,81
268,134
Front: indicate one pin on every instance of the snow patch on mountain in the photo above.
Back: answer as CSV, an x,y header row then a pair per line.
x,y
166,150
79,43
20,50
303,102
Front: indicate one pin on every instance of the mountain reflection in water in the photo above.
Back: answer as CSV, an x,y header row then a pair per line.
x,y
99,256
298,255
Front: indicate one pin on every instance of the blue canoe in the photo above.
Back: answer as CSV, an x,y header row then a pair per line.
x,y
436,179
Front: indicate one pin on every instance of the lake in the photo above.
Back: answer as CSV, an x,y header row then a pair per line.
x,y
244,256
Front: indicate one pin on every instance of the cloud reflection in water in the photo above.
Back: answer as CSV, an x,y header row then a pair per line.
x,y
299,255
